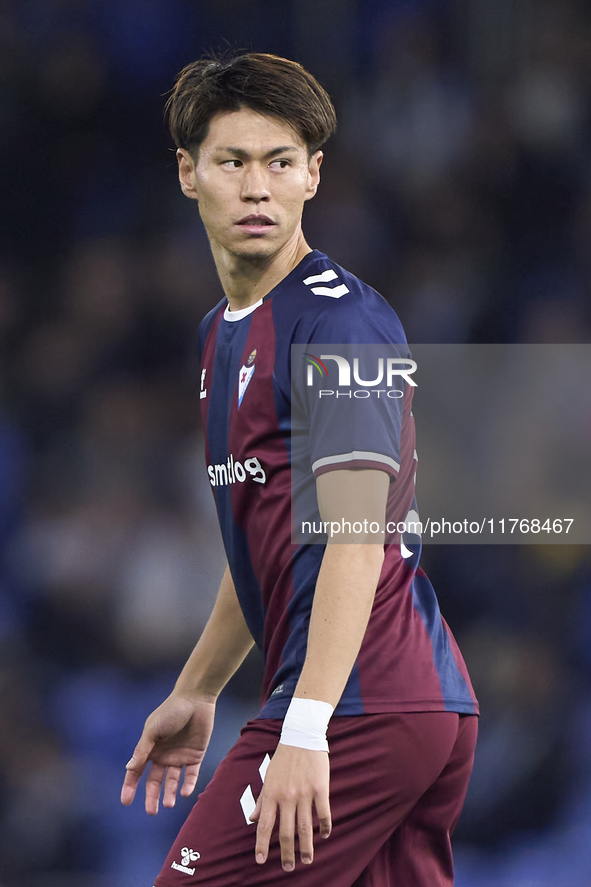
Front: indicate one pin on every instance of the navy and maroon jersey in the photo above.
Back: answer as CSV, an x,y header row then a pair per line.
x,y
409,660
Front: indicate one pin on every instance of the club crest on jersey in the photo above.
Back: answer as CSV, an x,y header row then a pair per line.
x,y
244,377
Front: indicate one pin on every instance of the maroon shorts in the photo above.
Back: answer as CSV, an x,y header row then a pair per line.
x,y
397,785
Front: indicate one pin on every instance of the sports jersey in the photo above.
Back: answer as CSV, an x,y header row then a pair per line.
x,y
409,660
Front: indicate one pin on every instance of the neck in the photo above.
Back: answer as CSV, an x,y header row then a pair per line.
x,y
246,279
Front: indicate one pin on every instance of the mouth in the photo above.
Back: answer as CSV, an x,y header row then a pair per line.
x,y
255,224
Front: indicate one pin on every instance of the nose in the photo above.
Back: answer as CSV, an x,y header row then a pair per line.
x,y
255,188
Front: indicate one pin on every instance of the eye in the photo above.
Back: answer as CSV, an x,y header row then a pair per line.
x,y
279,164
232,164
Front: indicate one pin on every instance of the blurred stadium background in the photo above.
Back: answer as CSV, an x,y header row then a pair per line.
x,y
459,185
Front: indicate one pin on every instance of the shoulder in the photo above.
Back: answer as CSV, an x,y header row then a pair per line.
x,y
324,299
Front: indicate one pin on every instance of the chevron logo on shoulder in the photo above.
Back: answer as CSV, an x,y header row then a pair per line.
x,y
334,292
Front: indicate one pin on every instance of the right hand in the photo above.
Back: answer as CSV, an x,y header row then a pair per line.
x,y
175,735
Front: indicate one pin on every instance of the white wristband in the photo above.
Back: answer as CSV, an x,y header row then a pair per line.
x,y
305,724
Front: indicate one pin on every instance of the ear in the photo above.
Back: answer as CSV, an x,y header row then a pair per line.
x,y
313,174
186,173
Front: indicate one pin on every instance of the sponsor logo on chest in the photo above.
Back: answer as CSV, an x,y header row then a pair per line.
x,y
232,471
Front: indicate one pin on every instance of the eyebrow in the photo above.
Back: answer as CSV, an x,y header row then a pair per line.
x,y
241,154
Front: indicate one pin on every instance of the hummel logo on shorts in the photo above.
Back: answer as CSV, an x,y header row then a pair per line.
x,y
187,856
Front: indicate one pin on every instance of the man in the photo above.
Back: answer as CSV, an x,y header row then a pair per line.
x,y
347,628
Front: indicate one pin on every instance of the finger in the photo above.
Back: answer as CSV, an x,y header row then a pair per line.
x,y
322,805
153,788
135,767
190,780
305,833
171,784
129,787
140,755
257,810
266,817
286,837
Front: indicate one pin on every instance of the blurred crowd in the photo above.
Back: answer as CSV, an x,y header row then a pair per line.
x,y
459,185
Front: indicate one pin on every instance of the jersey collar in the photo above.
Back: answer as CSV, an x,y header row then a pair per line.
x,y
242,312
312,256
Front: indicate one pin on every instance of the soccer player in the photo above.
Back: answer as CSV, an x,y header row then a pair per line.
x,y
358,659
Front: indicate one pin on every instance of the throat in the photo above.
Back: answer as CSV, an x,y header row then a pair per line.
x,y
247,279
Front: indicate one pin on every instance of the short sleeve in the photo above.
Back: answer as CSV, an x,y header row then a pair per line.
x,y
351,393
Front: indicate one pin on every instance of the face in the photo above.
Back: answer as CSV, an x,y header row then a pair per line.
x,y
252,177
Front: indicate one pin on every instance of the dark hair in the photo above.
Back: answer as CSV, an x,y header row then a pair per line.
x,y
265,83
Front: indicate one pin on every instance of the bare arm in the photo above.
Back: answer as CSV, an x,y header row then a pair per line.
x,y
347,581
297,778
221,649
343,601
177,733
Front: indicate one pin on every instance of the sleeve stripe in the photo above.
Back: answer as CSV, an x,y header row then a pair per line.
x,y
331,274
355,455
335,292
